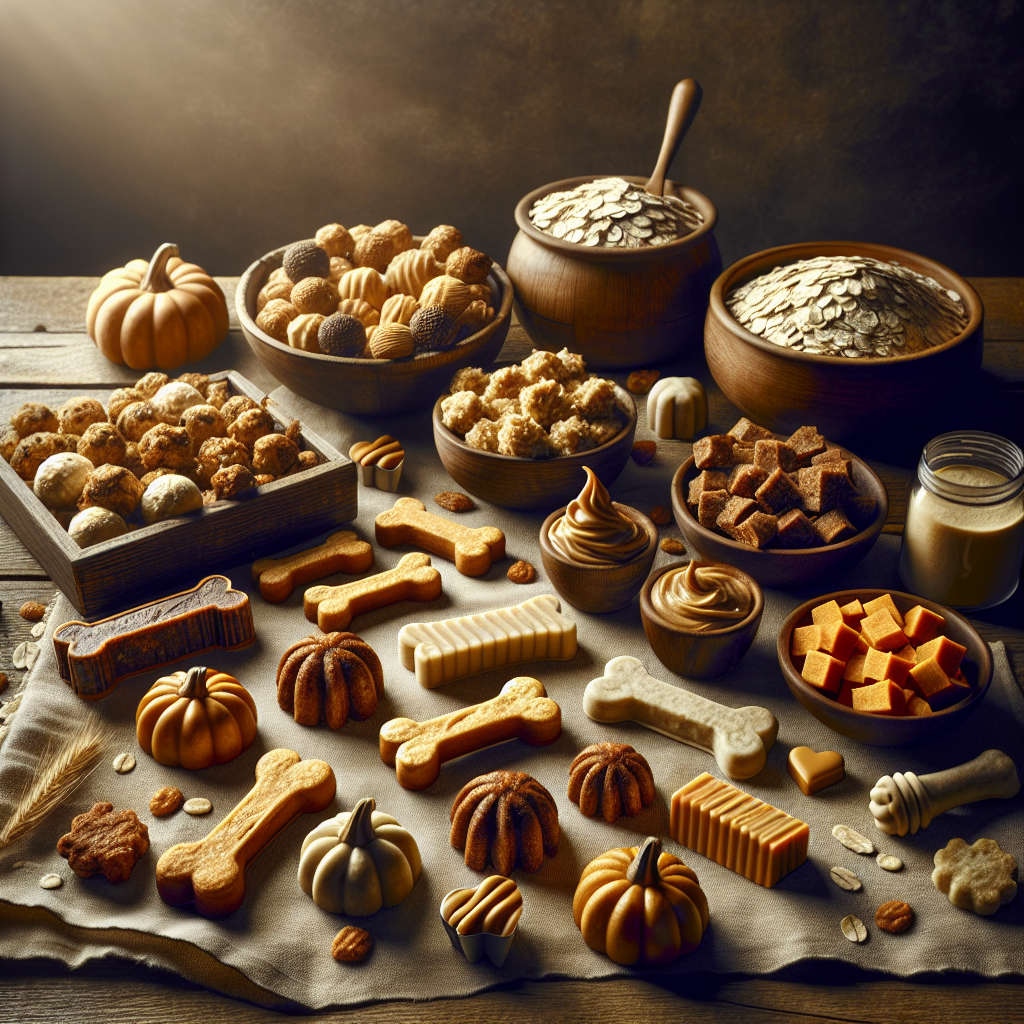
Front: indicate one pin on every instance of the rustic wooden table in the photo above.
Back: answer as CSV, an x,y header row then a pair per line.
x,y
43,346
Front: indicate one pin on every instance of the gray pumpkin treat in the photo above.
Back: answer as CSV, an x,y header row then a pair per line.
x,y
168,496
61,478
306,259
94,525
341,335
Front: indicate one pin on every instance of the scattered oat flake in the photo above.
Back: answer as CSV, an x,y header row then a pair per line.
x,y
521,572
33,611
643,452
853,928
888,862
672,546
197,805
25,654
455,501
660,515
51,882
641,381
852,839
846,879
38,629
124,763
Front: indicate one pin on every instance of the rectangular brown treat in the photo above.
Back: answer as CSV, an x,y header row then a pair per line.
x,y
757,530
707,480
713,450
769,454
860,509
742,453
828,455
744,430
806,442
710,506
734,512
778,493
824,487
745,479
833,527
795,530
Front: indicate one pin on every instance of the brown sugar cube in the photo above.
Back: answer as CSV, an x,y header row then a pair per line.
x,y
881,631
854,671
860,509
744,430
707,480
711,506
822,671
795,530
838,639
880,665
833,527
734,512
769,454
804,640
806,442
882,698
745,479
758,530
853,614
778,493
823,487
713,450
743,454
947,653
827,612
922,625
829,455
886,602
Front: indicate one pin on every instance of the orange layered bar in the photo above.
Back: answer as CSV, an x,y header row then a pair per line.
x,y
737,830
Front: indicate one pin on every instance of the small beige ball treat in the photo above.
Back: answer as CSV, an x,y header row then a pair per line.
x,y
468,265
218,393
273,290
442,242
173,399
151,383
409,271
168,496
398,232
60,479
459,412
154,474
32,451
398,310
335,241
342,335
374,250
306,259
219,452
394,341
120,399
279,274
274,454
251,426
339,268
364,283
136,419
203,422
200,381
94,525
546,401
302,331
499,408
470,378
524,438
281,306
112,487
78,414
315,295
35,418
9,439
506,383
274,322
166,447
484,435
232,482
358,230
235,406
307,460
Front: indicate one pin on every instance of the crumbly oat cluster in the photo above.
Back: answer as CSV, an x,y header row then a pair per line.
x,y
544,407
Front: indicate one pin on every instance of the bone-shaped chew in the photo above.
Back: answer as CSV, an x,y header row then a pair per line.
x,y
417,749
333,608
93,658
442,651
739,738
211,872
341,552
906,802
471,549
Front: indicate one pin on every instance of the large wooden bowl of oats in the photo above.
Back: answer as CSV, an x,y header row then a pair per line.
x,y
882,349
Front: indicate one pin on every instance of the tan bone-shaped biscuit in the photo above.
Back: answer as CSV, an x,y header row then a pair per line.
x,y
341,552
211,872
417,749
739,738
333,608
471,549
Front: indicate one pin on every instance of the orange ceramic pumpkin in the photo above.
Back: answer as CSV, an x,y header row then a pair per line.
x,y
196,719
640,906
158,314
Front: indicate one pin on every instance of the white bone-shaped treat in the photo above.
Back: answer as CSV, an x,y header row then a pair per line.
x,y
677,407
739,738
439,652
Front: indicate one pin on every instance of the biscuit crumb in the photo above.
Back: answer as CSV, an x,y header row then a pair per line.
x,y
643,452
521,572
165,801
660,515
351,944
672,546
455,501
641,381
894,916
32,611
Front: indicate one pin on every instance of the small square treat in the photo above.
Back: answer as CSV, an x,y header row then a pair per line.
x,y
834,527
758,530
470,378
804,640
744,479
604,430
880,665
884,601
544,365
853,613
595,399
921,625
822,671
744,430
460,411
823,487
524,438
918,707
860,509
934,686
770,454
713,451
734,512
838,639
483,435
845,695
742,454
795,530
881,632
945,651
711,506
571,436
827,612
778,493
829,455
707,480
883,698
854,671
545,401
806,442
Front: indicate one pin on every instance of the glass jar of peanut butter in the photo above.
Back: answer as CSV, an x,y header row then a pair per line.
x,y
964,533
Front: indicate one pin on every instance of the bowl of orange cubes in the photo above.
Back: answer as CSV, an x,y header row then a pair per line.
x,y
883,667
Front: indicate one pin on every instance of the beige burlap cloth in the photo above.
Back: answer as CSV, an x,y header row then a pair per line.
x,y
277,947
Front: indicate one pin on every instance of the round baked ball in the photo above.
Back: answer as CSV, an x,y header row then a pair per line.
x,y
151,383
173,399
251,426
112,487
433,330
35,418
217,393
9,439
200,381
32,451
306,259
274,454
315,295
335,241
154,474
136,419
219,452
273,290
120,399
341,335
398,232
94,525
203,422
274,322
60,479
78,414
468,265
166,447
374,249
442,241
132,460
235,406
102,444
232,482
307,460
170,495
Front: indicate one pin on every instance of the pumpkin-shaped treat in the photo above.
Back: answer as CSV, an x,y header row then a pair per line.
x,y
329,678
162,313
506,817
640,906
358,862
610,778
195,719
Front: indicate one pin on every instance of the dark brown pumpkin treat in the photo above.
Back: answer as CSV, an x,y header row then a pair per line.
x,y
251,426
757,530
114,488
468,265
132,460
341,335
35,418
103,444
611,779
706,480
455,501
136,419
744,479
235,406
745,431
433,329
806,442
521,572
78,414
795,530
895,916
772,454
860,509
203,422
351,944
166,447
151,383
734,512
778,493
32,611
231,483
643,452
120,399
306,259
672,546
104,841
660,515
274,454
825,487
710,506
307,460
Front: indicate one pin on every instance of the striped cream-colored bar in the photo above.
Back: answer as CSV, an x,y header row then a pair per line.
x,y
737,830
439,652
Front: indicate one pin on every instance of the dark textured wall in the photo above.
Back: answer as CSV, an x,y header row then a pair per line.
x,y
234,126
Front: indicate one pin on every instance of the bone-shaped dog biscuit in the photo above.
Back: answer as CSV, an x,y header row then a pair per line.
x,y
341,552
211,872
521,710
739,738
471,549
442,651
333,608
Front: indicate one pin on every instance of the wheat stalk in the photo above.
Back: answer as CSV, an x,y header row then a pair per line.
x,y
64,770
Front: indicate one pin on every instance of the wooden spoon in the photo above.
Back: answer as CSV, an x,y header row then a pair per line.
x,y
682,109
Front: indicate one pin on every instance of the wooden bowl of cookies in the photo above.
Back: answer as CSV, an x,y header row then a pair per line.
x,y
782,387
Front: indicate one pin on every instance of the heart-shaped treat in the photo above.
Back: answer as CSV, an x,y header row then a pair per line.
x,y
812,771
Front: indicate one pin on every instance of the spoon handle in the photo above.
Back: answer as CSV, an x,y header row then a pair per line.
x,y
682,109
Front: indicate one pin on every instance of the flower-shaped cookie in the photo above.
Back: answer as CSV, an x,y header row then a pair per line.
x,y
981,877
104,840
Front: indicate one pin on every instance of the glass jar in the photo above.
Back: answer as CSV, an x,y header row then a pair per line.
x,y
964,533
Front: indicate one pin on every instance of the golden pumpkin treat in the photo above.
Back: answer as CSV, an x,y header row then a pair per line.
x,y
451,294
171,401
135,419
410,271
273,290
470,378
218,393
442,241
218,453
611,779
235,406
201,423
35,418
165,801
303,331
9,439
398,232
120,399
251,426
231,483
360,310
104,841
375,249
60,479
166,447
170,495
114,488
32,451
274,454
335,241
341,552
339,268
102,443
94,525
150,383
195,719
305,259
359,862
78,414
132,460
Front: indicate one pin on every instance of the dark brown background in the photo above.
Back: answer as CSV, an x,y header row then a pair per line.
x,y
232,127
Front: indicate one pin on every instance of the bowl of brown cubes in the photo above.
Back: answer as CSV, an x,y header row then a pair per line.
x,y
372,319
520,435
785,509
848,336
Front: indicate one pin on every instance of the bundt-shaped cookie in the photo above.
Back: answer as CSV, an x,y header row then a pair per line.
x,y
508,818
611,778
329,679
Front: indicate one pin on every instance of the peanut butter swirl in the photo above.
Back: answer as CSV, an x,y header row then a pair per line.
x,y
701,598
593,531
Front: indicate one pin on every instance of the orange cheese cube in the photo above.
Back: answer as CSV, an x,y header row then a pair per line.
x,y
881,698
852,613
886,602
862,646
805,638
947,653
854,671
882,632
838,639
922,625
931,683
822,671
907,654
917,707
845,695
886,665
828,612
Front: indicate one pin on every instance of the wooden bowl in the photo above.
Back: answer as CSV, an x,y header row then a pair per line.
x,y
693,654
782,389
616,307
777,567
531,483
598,588
877,730
368,387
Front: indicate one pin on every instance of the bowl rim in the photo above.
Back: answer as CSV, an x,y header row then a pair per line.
x,y
549,549
648,611
423,361
781,254
704,205
794,678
